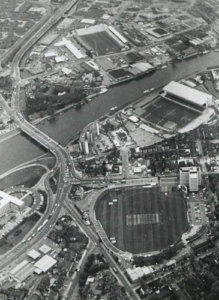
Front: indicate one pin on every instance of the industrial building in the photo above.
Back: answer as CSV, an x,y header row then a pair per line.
x,y
22,271
45,263
188,95
8,202
190,177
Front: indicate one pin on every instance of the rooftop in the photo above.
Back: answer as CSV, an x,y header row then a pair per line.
x,y
187,93
45,263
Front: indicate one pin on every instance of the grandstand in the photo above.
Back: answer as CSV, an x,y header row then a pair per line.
x,y
187,95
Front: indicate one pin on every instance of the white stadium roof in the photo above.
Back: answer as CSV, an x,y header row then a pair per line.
x,y
45,263
187,93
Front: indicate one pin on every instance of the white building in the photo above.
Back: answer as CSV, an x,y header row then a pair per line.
x,y
193,182
191,177
45,263
9,202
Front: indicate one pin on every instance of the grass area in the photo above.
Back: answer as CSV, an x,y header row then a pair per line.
x,y
27,177
28,200
142,220
13,238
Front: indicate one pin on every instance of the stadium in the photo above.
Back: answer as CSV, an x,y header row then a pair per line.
x,y
177,106
101,39
142,219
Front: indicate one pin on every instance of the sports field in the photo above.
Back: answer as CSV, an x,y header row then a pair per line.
x,y
101,42
143,219
161,111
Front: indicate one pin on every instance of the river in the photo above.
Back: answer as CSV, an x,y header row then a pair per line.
x,y
70,122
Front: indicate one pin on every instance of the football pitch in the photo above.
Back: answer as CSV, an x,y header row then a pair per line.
x,y
161,111
143,219
101,42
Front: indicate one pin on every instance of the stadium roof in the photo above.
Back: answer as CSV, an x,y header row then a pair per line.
x,y
33,254
187,93
45,263
44,248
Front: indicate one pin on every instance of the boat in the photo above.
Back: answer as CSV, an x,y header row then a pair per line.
x,y
146,91
102,91
151,89
206,51
113,108
164,67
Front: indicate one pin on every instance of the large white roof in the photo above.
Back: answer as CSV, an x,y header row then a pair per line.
x,y
5,198
19,267
187,93
45,263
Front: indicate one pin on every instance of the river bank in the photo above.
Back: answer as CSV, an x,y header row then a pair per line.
x,y
71,121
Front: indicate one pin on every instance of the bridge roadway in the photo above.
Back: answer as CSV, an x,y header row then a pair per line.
x,y
62,160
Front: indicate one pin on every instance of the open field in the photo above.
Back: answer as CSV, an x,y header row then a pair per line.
x,y
101,42
143,219
28,176
161,111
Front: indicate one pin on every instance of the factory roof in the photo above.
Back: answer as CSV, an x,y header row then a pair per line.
x,y
19,267
45,263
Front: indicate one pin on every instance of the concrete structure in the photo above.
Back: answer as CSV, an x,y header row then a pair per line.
x,y
98,129
85,147
45,249
190,177
189,94
193,182
9,202
45,263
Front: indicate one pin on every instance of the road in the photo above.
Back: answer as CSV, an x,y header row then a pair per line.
x,y
95,240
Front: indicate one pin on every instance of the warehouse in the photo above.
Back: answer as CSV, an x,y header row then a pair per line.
x,y
189,94
22,271
45,263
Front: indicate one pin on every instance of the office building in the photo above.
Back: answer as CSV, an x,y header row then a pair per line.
x,y
8,202
190,177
